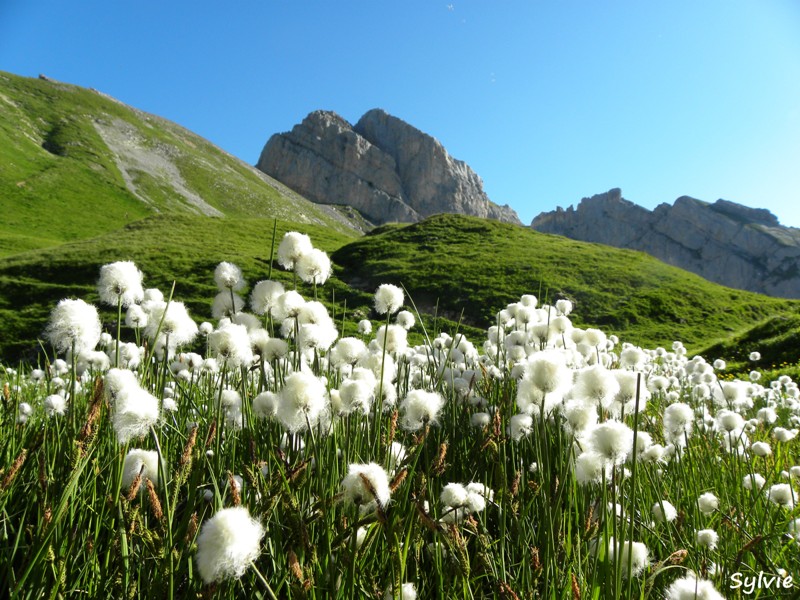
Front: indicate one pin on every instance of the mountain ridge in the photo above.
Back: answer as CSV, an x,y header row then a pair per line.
x,y
725,242
382,166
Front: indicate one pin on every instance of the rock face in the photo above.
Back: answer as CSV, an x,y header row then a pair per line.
x,y
724,242
382,166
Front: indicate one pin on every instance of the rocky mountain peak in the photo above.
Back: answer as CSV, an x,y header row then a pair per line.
x,y
725,242
382,166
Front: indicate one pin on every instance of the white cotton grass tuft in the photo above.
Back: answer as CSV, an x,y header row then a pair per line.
x,y
171,321
408,591
313,267
419,408
783,495
664,512
55,405
707,538
753,481
228,276
613,440
230,344
388,299
136,317
292,247
690,587
301,401
135,411
140,461
74,325
634,552
366,483
405,319
707,503
226,304
264,295
227,544
120,283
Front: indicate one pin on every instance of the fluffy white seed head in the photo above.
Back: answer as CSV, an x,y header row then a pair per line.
x,y
136,461
365,483
692,588
313,267
135,411
664,512
120,282
228,542
264,295
228,276
302,400
388,299
420,407
707,503
292,247
73,324
230,344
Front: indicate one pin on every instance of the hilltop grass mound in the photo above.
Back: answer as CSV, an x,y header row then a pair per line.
x,y
77,164
476,267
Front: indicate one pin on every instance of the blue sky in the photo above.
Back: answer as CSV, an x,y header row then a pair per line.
x,y
547,100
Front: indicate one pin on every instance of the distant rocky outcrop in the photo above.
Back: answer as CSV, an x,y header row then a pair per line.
x,y
382,166
724,242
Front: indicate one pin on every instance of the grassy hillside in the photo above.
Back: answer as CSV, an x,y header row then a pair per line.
x,y
75,163
180,248
450,264
478,266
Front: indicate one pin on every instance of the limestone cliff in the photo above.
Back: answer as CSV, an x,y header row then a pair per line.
x,y
383,167
724,242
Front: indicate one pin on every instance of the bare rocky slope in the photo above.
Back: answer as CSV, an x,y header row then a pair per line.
x,y
382,166
724,242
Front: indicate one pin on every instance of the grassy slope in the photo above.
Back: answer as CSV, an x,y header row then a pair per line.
x,y
479,266
465,263
59,181
180,248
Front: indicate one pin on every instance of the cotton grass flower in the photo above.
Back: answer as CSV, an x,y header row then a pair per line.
x,y
419,408
783,495
292,247
388,299
365,327
74,325
135,411
313,267
365,483
664,512
226,304
707,503
302,400
707,538
228,276
55,405
613,440
231,346
761,449
407,592
264,295
120,283
690,587
634,552
140,461
171,321
405,319
753,481
227,544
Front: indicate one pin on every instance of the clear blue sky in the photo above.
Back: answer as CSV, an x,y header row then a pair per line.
x,y
548,101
